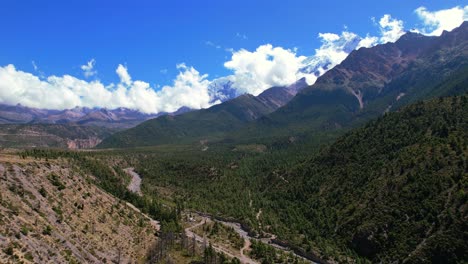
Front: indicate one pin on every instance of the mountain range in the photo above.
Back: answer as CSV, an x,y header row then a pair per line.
x,y
115,118
372,81
206,123
368,83
77,128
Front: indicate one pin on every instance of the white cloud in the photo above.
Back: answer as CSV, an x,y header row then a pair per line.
x,y
88,68
189,89
123,75
263,68
438,21
391,29
335,48
368,41
18,87
328,37
252,72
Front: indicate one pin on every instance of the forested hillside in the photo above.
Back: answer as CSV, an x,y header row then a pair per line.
x,y
395,189
392,190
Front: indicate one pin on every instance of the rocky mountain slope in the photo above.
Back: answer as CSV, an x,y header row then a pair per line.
x,y
67,136
50,212
371,81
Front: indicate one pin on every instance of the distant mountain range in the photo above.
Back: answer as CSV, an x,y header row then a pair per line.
x,y
220,90
368,83
64,136
83,127
116,118
214,121
80,127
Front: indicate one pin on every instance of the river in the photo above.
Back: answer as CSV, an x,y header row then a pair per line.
x,y
135,186
244,234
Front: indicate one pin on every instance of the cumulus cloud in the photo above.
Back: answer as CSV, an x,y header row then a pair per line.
x,y
267,66
62,92
391,29
335,48
189,89
123,75
368,41
434,23
88,68
255,71
252,72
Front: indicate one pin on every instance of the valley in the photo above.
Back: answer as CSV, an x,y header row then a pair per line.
x,y
300,198
366,165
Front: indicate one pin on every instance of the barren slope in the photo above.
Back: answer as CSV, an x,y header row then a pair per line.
x,y
51,213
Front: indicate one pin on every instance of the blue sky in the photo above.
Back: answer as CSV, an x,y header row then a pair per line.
x,y
149,38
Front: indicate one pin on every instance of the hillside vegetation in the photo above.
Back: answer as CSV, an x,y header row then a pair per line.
x,y
395,189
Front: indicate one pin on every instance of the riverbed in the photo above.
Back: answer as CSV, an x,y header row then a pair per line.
x,y
135,182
